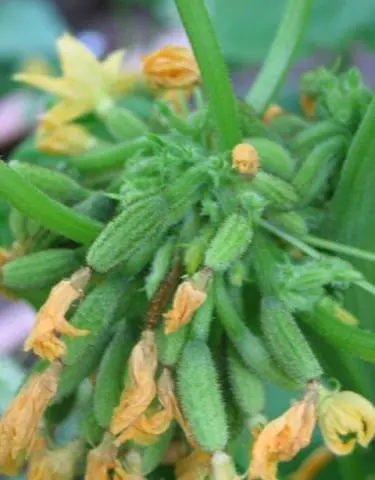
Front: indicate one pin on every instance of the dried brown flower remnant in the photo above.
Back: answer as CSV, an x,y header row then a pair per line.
x,y
195,466
57,464
51,318
171,67
245,159
19,426
140,389
308,105
283,438
272,111
345,413
313,464
187,299
150,426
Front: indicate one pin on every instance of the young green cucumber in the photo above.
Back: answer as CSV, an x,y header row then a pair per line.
x,y
201,398
273,157
287,343
229,243
124,235
109,380
96,314
41,269
248,345
248,389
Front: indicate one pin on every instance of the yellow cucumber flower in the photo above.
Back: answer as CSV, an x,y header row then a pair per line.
x,y
86,84
171,67
245,159
67,139
345,418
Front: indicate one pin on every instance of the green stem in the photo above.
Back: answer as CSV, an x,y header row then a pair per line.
x,y
339,248
50,214
105,158
290,239
214,73
281,54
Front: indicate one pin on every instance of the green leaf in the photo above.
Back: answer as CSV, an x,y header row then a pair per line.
x,y
352,211
246,28
281,54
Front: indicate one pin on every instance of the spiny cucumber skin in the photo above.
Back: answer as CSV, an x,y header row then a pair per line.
x,y
201,322
274,158
55,184
159,267
127,232
279,193
73,375
169,347
109,381
38,270
229,243
247,388
287,343
201,398
291,222
95,314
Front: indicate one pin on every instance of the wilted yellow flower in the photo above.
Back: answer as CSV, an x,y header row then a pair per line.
x,y
20,423
149,426
85,86
308,104
187,299
57,464
195,466
67,139
171,67
101,460
245,159
140,388
345,413
272,111
313,464
283,438
51,317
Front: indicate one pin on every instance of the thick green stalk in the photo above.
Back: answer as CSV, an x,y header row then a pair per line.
x,y
214,73
281,54
50,214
